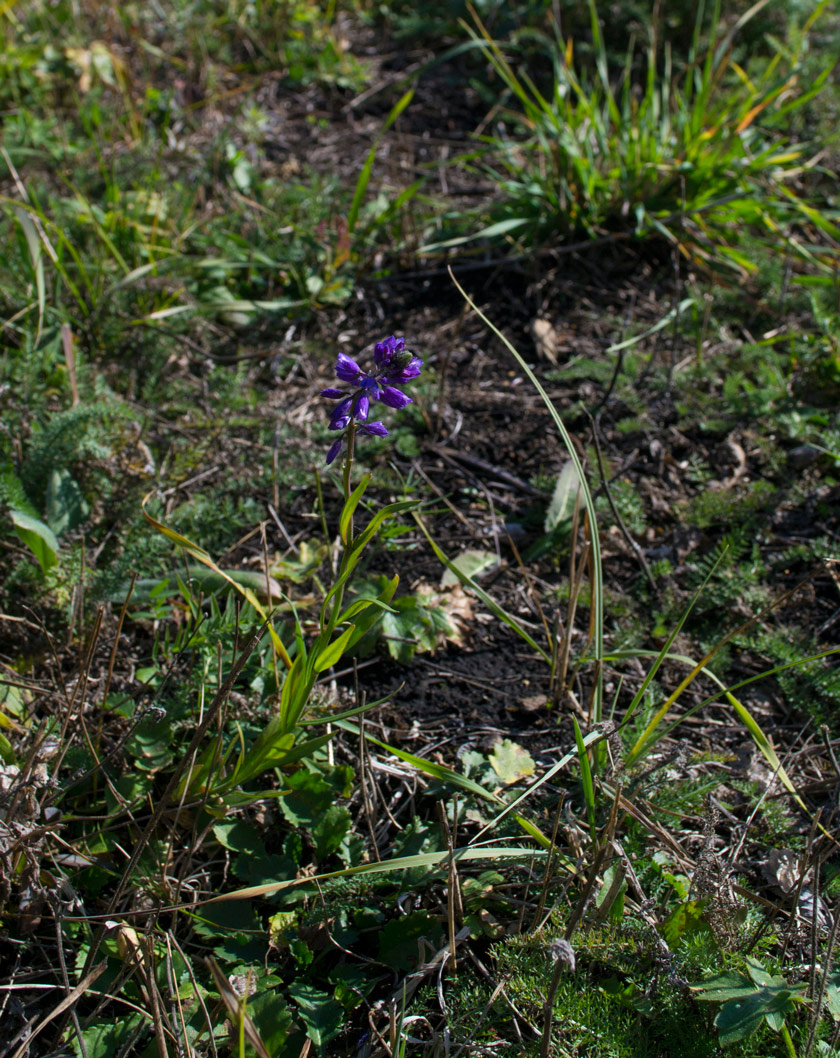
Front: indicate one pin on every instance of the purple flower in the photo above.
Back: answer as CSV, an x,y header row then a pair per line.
x,y
384,351
394,366
335,448
346,368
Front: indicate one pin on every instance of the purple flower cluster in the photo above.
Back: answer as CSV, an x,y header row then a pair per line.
x,y
394,365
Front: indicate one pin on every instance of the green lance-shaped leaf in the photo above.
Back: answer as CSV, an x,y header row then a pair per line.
x,y
349,508
333,653
367,168
38,537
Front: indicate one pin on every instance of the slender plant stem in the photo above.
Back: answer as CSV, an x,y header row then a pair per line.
x,y
791,1050
548,1011
322,511
597,591
348,542
348,466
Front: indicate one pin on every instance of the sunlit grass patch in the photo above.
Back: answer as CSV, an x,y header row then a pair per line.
x,y
694,155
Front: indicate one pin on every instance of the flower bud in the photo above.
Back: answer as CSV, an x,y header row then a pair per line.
x,y
400,360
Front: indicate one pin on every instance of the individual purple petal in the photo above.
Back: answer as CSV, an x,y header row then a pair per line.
x,y
371,387
346,368
384,350
340,416
394,398
333,394
335,448
377,428
362,408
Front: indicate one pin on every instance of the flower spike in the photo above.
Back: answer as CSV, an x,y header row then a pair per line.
x,y
394,366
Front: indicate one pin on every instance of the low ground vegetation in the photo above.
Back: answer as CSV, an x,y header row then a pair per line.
x,y
513,728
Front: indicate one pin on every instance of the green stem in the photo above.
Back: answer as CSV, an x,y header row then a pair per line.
x,y
348,466
348,544
791,1050
319,489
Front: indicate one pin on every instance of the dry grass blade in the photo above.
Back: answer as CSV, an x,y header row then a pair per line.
x,y
161,805
589,888
63,1006
235,1006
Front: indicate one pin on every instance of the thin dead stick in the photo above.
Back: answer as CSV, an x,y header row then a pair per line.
x,y
564,959
619,521
453,883
208,1023
804,861
829,951
453,455
65,977
825,735
549,863
65,1004
606,844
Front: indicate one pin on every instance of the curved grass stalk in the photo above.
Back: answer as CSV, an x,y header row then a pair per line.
x,y
444,774
644,740
620,655
755,730
487,599
200,555
589,505
400,863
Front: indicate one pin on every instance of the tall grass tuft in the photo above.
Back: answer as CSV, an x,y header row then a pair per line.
x,y
696,156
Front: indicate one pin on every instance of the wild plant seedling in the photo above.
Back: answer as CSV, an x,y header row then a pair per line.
x,y
339,628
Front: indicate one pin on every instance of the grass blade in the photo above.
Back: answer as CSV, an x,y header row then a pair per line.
x,y
597,577
467,854
200,555
367,168
488,600
586,781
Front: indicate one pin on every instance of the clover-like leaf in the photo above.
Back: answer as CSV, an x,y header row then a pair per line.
x,y
747,1002
724,987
